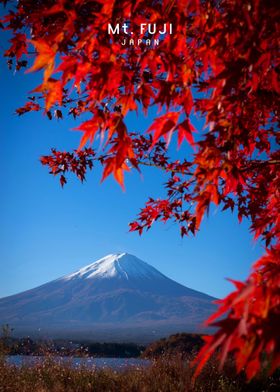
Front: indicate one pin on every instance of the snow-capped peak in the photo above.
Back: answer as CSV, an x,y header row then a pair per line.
x,y
122,265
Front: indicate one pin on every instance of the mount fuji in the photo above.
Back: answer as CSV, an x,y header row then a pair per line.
x,y
116,297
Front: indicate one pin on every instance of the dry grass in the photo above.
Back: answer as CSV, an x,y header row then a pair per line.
x,y
165,375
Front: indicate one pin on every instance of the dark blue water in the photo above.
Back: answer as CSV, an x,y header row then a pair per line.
x,y
90,363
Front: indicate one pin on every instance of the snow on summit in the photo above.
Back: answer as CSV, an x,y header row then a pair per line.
x,y
121,265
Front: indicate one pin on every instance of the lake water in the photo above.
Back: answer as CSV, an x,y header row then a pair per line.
x,y
90,363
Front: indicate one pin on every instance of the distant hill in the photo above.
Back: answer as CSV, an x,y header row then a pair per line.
x,y
183,344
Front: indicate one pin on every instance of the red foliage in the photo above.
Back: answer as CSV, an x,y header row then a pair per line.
x,y
252,325
220,63
61,163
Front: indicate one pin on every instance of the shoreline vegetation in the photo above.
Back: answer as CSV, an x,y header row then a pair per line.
x,y
69,348
172,374
180,343
170,370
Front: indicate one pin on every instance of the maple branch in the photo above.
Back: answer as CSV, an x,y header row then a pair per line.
x,y
269,162
166,169
179,171
259,163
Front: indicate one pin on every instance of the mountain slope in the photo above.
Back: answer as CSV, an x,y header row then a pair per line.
x,y
115,290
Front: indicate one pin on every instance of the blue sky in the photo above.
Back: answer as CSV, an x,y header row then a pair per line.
x,y
48,231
